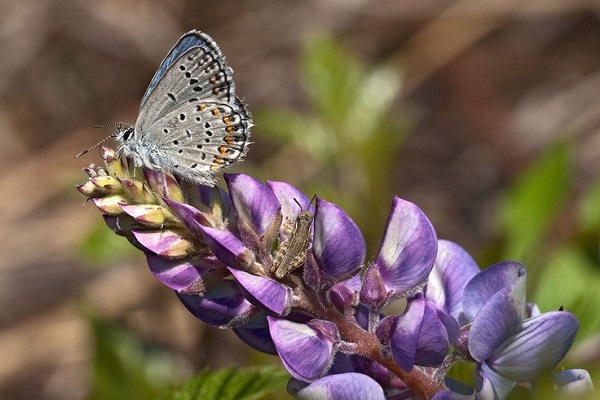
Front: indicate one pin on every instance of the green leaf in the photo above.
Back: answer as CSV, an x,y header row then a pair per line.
x,y
571,279
247,383
589,211
102,246
126,369
533,201
331,78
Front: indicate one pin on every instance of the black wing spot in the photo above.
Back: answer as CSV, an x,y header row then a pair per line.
x,y
189,134
175,142
172,96
188,74
182,117
165,130
209,133
207,140
182,67
207,125
198,119
197,88
193,100
199,146
203,156
180,151
193,81
194,165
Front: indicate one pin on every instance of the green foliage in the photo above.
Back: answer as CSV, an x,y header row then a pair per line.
x,y
102,247
125,369
533,201
247,383
589,211
571,279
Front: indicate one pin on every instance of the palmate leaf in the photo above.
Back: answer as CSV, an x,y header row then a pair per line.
x,y
247,383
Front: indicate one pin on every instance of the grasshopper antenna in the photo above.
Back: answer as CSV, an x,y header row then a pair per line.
x,y
309,203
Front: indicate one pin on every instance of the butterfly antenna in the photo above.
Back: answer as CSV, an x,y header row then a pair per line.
x,y
103,140
111,124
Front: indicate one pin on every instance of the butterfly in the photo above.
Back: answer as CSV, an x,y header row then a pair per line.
x,y
190,122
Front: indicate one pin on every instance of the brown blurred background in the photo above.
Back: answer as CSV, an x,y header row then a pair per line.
x,y
490,84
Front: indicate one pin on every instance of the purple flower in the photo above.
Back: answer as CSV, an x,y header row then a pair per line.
x,y
405,258
288,276
350,385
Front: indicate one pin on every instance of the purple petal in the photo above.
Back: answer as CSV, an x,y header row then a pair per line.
x,y
147,214
163,185
452,270
137,190
165,242
338,246
255,334
111,204
121,224
186,275
497,320
535,348
409,247
489,281
213,202
228,248
405,339
268,292
254,203
574,384
106,183
492,385
373,292
305,352
433,342
386,328
344,295
190,216
448,395
451,325
223,305
287,195
350,385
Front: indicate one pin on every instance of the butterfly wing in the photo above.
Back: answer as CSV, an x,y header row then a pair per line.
x,y
194,70
201,138
188,41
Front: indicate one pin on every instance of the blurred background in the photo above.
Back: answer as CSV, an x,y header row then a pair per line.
x,y
484,113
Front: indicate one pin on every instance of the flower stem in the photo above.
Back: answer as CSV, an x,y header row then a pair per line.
x,y
423,385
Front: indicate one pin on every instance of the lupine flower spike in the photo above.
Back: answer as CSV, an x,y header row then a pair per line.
x,y
289,277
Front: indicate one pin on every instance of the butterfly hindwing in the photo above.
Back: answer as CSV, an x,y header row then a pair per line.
x,y
196,142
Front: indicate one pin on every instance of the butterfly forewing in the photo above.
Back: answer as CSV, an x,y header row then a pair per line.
x,y
196,76
186,43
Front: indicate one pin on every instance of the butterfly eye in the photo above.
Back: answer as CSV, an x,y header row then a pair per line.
x,y
127,134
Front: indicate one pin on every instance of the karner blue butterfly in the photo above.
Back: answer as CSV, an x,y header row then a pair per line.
x,y
190,122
